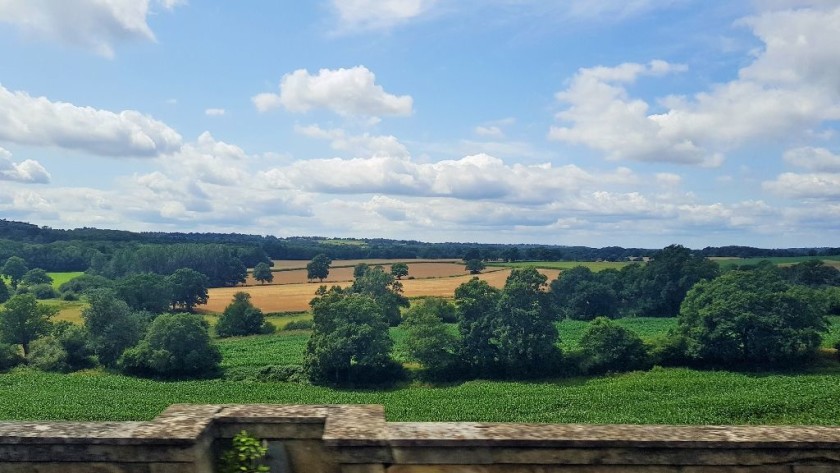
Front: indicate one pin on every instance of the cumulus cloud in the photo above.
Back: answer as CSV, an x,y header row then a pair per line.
x,y
360,145
347,92
813,159
806,186
27,171
473,177
91,24
378,14
792,86
209,160
40,122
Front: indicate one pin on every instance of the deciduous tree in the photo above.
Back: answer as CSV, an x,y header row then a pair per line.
x,y
189,288
319,267
14,268
262,273
112,325
240,318
23,320
398,270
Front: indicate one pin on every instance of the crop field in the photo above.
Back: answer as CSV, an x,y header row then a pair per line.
x,y
284,264
296,297
659,396
560,265
345,273
781,261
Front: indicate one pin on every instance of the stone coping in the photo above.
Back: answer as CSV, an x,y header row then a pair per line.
x,y
365,426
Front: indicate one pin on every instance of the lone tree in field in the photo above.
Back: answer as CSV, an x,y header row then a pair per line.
x,y
751,317
475,266
189,288
36,276
23,320
262,273
399,270
15,268
319,267
240,318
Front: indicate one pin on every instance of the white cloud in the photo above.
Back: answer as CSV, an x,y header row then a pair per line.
x,y
361,145
40,122
28,171
489,131
378,14
806,186
792,86
473,177
92,24
814,159
347,92
214,112
210,161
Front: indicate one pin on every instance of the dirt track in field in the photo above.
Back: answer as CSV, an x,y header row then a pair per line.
x,y
438,279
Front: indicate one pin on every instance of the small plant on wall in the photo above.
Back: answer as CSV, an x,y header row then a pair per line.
x,y
244,456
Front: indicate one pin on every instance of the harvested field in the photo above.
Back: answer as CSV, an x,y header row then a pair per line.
x,y
341,272
296,297
301,264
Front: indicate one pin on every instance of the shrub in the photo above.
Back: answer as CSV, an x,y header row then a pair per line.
x,y
9,356
65,350
175,346
610,347
43,291
244,456
84,283
298,325
69,296
47,354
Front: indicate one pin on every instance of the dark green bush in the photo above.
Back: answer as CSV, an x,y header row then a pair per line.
x,y
610,347
298,325
9,356
43,291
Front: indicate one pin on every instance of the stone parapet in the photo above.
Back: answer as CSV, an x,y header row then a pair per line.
x,y
357,439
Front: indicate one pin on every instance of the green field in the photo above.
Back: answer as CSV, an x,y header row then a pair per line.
x,y
61,278
672,395
593,265
781,261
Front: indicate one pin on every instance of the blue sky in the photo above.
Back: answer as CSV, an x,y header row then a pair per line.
x,y
637,123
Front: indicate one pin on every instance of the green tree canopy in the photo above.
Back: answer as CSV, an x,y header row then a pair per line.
x,y
350,342
111,325
428,340
4,291
262,273
36,276
385,290
751,317
398,270
580,294
175,346
360,269
14,268
240,318
319,267
23,320
608,346
189,288
145,292
475,266
477,303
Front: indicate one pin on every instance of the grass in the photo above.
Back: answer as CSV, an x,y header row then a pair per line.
x,y
61,278
593,265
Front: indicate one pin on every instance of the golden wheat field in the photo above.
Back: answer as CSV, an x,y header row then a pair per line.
x,y
430,279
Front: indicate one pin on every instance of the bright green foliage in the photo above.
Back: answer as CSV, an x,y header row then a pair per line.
x,y
398,270
608,346
36,276
444,309
580,294
175,346
349,342
189,288
9,356
428,340
751,317
525,333
112,325
240,318
15,268
244,455
84,283
23,320
319,267
475,266
262,273
4,291
145,291
385,290
477,313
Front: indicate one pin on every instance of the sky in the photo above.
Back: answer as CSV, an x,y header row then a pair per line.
x,y
637,123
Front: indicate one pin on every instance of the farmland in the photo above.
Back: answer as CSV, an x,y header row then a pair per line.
x,y
290,291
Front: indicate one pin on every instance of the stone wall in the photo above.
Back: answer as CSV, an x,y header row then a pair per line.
x,y
357,439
